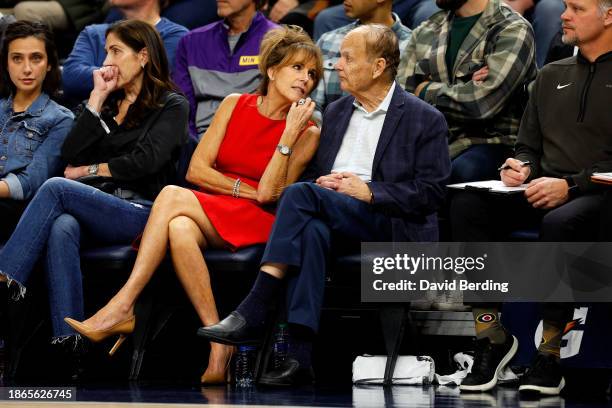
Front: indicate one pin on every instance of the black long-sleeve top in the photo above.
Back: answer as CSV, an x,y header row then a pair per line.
x,y
141,159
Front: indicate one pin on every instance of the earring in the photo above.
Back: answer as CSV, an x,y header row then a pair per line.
x,y
142,65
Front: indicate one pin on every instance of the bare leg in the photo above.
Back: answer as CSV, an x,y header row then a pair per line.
x,y
172,202
186,240
275,269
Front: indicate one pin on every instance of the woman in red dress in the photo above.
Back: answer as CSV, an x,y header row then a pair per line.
x,y
255,146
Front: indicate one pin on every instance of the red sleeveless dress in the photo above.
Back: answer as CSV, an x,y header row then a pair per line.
x,y
249,143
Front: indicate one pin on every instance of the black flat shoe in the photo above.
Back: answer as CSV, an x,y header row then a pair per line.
x,y
233,330
288,374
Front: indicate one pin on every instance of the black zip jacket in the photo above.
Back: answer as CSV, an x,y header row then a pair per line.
x,y
566,129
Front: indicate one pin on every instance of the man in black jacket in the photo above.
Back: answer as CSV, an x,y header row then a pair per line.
x,y
565,135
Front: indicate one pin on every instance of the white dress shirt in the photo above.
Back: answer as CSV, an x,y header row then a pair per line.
x,y
356,154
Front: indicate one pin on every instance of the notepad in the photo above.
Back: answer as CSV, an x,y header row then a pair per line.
x,y
604,178
491,186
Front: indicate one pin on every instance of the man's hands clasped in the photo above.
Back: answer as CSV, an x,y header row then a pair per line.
x,y
346,183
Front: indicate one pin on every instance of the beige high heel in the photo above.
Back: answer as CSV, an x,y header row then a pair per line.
x,y
123,329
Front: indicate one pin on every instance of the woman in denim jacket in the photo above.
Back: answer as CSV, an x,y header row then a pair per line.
x,y
32,126
130,133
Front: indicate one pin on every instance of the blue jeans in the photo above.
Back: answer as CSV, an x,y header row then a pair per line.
x,y
411,12
51,225
479,162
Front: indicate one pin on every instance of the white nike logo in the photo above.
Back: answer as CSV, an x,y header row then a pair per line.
x,y
559,86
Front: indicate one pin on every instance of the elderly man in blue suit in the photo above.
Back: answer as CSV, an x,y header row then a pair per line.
x,y
378,175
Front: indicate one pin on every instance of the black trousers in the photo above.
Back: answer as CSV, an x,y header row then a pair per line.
x,y
482,217
10,212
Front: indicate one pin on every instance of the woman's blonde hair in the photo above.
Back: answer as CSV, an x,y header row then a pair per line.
x,y
284,46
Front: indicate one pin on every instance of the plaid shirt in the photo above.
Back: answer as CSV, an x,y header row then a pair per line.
x,y
328,89
476,112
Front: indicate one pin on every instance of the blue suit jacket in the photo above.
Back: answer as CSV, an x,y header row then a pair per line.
x,y
411,164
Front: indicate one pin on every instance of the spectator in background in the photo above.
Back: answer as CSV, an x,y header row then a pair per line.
x,y
62,15
297,12
188,13
366,12
411,12
472,61
545,17
219,59
130,133
88,52
33,126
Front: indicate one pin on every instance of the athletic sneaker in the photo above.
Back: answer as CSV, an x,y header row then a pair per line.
x,y
544,376
489,360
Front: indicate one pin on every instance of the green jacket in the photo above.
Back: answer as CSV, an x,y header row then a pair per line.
x,y
84,12
486,112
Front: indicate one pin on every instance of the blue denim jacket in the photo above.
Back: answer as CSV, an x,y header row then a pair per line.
x,y
30,144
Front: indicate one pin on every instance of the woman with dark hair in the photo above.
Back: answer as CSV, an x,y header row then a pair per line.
x,y
257,144
130,135
33,126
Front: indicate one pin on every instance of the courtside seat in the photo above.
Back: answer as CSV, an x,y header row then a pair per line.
x,y
525,235
114,254
244,259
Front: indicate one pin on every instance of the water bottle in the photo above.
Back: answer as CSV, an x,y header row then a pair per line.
x,y
245,366
281,345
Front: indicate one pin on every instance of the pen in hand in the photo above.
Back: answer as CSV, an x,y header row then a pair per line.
x,y
506,166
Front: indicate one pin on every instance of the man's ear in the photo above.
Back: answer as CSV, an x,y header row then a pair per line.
x,y
608,17
379,67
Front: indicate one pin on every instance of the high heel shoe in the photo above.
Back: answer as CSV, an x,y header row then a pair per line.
x,y
219,378
122,329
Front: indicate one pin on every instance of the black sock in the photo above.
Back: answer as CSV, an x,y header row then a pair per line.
x,y
254,307
300,344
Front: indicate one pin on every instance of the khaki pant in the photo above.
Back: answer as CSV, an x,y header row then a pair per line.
x,y
49,12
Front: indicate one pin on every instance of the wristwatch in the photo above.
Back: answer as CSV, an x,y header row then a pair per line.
x,y
92,170
573,190
284,150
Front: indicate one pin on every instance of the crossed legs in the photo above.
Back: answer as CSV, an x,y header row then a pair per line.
x,y
177,221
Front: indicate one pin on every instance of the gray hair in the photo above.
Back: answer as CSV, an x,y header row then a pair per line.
x,y
604,5
381,42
